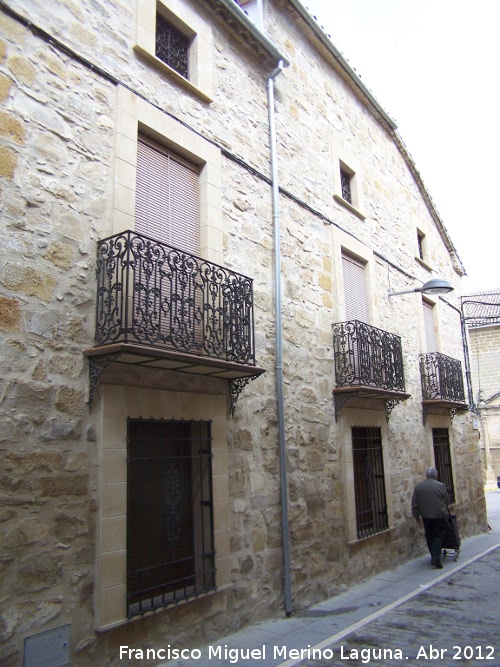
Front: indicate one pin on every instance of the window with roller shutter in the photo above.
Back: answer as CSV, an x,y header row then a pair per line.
x,y
167,211
430,331
356,296
167,197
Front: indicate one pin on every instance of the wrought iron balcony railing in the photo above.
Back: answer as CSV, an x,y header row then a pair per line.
x,y
155,295
367,357
442,378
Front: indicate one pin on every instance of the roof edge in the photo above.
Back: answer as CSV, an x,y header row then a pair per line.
x,y
343,62
234,10
389,123
456,261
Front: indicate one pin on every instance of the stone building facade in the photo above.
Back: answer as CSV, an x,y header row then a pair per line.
x,y
481,312
224,424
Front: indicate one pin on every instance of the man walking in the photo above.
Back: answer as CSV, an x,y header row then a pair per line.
x,y
429,504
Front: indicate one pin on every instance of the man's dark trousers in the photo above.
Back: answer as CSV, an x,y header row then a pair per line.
x,y
434,531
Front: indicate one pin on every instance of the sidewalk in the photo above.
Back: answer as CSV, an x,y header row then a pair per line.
x,y
330,621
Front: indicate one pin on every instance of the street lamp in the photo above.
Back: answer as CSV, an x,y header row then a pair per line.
x,y
433,286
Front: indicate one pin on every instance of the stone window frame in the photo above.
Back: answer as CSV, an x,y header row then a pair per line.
x,y
364,417
190,24
343,244
435,303
136,116
344,163
422,249
116,403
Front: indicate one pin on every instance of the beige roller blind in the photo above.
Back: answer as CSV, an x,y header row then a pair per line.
x,y
429,327
356,297
167,197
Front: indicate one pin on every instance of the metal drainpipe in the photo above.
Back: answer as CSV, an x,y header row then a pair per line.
x,y
279,354
465,344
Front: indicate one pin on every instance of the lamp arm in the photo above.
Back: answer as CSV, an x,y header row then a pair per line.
x,y
407,291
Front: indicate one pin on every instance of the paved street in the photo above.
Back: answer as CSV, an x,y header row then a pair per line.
x,y
414,615
453,622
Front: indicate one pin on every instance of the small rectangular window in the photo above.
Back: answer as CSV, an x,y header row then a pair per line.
x,y
348,190
369,481
421,244
345,181
172,47
420,241
442,458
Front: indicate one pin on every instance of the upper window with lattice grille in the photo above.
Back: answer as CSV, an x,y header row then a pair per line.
x,y
345,182
172,47
177,41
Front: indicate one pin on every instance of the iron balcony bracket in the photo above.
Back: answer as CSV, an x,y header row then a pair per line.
x,y
236,386
96,367
339,400
390,404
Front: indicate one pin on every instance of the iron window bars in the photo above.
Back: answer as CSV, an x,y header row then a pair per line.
x,y
345,183
150,293
441,377
170,526
442,458
172,47
369,481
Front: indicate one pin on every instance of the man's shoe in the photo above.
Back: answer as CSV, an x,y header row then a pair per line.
x,y
438,564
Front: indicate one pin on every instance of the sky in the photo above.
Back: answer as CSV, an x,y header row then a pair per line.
x,y
433,66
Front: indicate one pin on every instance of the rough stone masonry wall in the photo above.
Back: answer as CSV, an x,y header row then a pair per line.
x,y
56,140
57,133
313,104
314,441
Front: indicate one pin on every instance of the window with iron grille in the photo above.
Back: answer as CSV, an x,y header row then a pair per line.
x,y
442,458
172,47
170,535
345,182
421,243
369,480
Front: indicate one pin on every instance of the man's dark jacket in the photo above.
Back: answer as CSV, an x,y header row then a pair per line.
x,y
430,500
